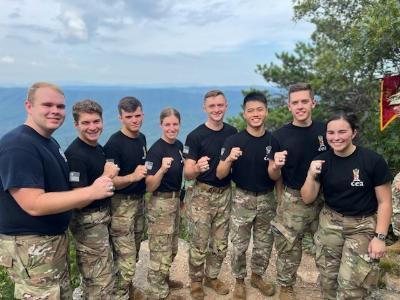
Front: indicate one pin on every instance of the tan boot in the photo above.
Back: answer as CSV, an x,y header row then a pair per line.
x,y
395,248
174,284
286,293
217,285
136,294
240,290
196,290
266,288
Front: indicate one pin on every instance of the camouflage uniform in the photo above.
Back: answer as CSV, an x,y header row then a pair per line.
x,y
94,253
163,232
37,265
126,230
396,205
251,211
293,218
208,211
347,271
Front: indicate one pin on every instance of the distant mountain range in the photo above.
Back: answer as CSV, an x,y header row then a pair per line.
x,y
187,100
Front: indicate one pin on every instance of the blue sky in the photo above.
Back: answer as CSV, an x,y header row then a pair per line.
x,y
143,42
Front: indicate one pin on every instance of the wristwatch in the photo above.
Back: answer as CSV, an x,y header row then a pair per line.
x,y
380,236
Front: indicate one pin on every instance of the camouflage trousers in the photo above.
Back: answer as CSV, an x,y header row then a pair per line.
x,y
208,212
163,231
251,211
94,252
37,265
126,230
293,219
347,272
396,205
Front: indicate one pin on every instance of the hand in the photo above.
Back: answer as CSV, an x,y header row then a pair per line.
x,y
102,187
202,164
139,173
166,163
376,248
110,169
315,168
280,158
235,154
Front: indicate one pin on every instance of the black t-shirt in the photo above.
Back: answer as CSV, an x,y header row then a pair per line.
x,y
302,145
204,141
29,160
86,164
127,153
348,182
172,180
250,170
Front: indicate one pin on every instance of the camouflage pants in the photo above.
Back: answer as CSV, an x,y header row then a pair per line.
x,y
126,230
163,231
37,265
208,212
347,272
251,212
94,252
396,205
293,219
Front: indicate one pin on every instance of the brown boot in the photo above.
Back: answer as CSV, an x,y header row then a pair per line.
x,y
174,284
265,287
395,248
286,293
196,290
240,290
217,285
136,294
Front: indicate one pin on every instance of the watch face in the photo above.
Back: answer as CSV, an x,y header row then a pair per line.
x,y
380,236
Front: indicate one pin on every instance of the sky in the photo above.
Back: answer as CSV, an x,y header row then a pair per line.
x,y
144,42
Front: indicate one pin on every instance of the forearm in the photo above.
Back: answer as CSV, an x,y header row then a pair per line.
x,y
153,181
274,172
191,170
309,190
121,182
223,169
383,217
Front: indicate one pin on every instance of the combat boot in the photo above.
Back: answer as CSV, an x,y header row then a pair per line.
x,y
287,293
240,290
196,290
174,284
266,288
217,285
395,248
136,294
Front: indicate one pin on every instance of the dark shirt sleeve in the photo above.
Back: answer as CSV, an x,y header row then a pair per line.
x,y
112,152
154,161
381,173
191,148
78,166
228,145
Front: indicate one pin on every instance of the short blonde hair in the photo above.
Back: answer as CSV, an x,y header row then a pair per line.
x,y
37,85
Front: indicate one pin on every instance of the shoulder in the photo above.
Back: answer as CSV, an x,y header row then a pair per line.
x,y
229,128
282,129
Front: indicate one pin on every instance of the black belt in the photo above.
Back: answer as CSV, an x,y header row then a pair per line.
x,y
93,209
211,189
255,194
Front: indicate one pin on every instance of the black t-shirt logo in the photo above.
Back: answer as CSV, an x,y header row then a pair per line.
x,y
181,154
186,149
144,153
222,151
322,146
267,152
356,178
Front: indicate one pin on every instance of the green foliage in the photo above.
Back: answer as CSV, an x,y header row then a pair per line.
x,y
73,266
6,285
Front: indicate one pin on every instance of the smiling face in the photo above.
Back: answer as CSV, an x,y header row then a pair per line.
x,y
90,127
46,111
170,126
301,105
215,108
255,113
340,135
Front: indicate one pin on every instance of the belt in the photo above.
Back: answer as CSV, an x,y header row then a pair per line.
x,y
129,196
293,192
174,194
255,194
94,209
211,189
331,210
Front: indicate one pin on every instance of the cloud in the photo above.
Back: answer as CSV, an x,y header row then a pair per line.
x,y
74,29
7,60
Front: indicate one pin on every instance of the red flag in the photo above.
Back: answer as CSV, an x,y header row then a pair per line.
x,y
389,86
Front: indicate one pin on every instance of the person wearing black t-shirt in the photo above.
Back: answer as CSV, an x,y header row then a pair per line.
x,y
35,199
354,221
210,202
299,141
164,179
127,148
89,225
247,156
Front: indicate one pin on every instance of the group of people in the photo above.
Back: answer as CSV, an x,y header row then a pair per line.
x,y
306,176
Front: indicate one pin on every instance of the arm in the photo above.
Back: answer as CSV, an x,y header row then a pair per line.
x,y
376,247
309,190
153,181
37,202
224,166
192,169
110,170
121,182
279,189
275,166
